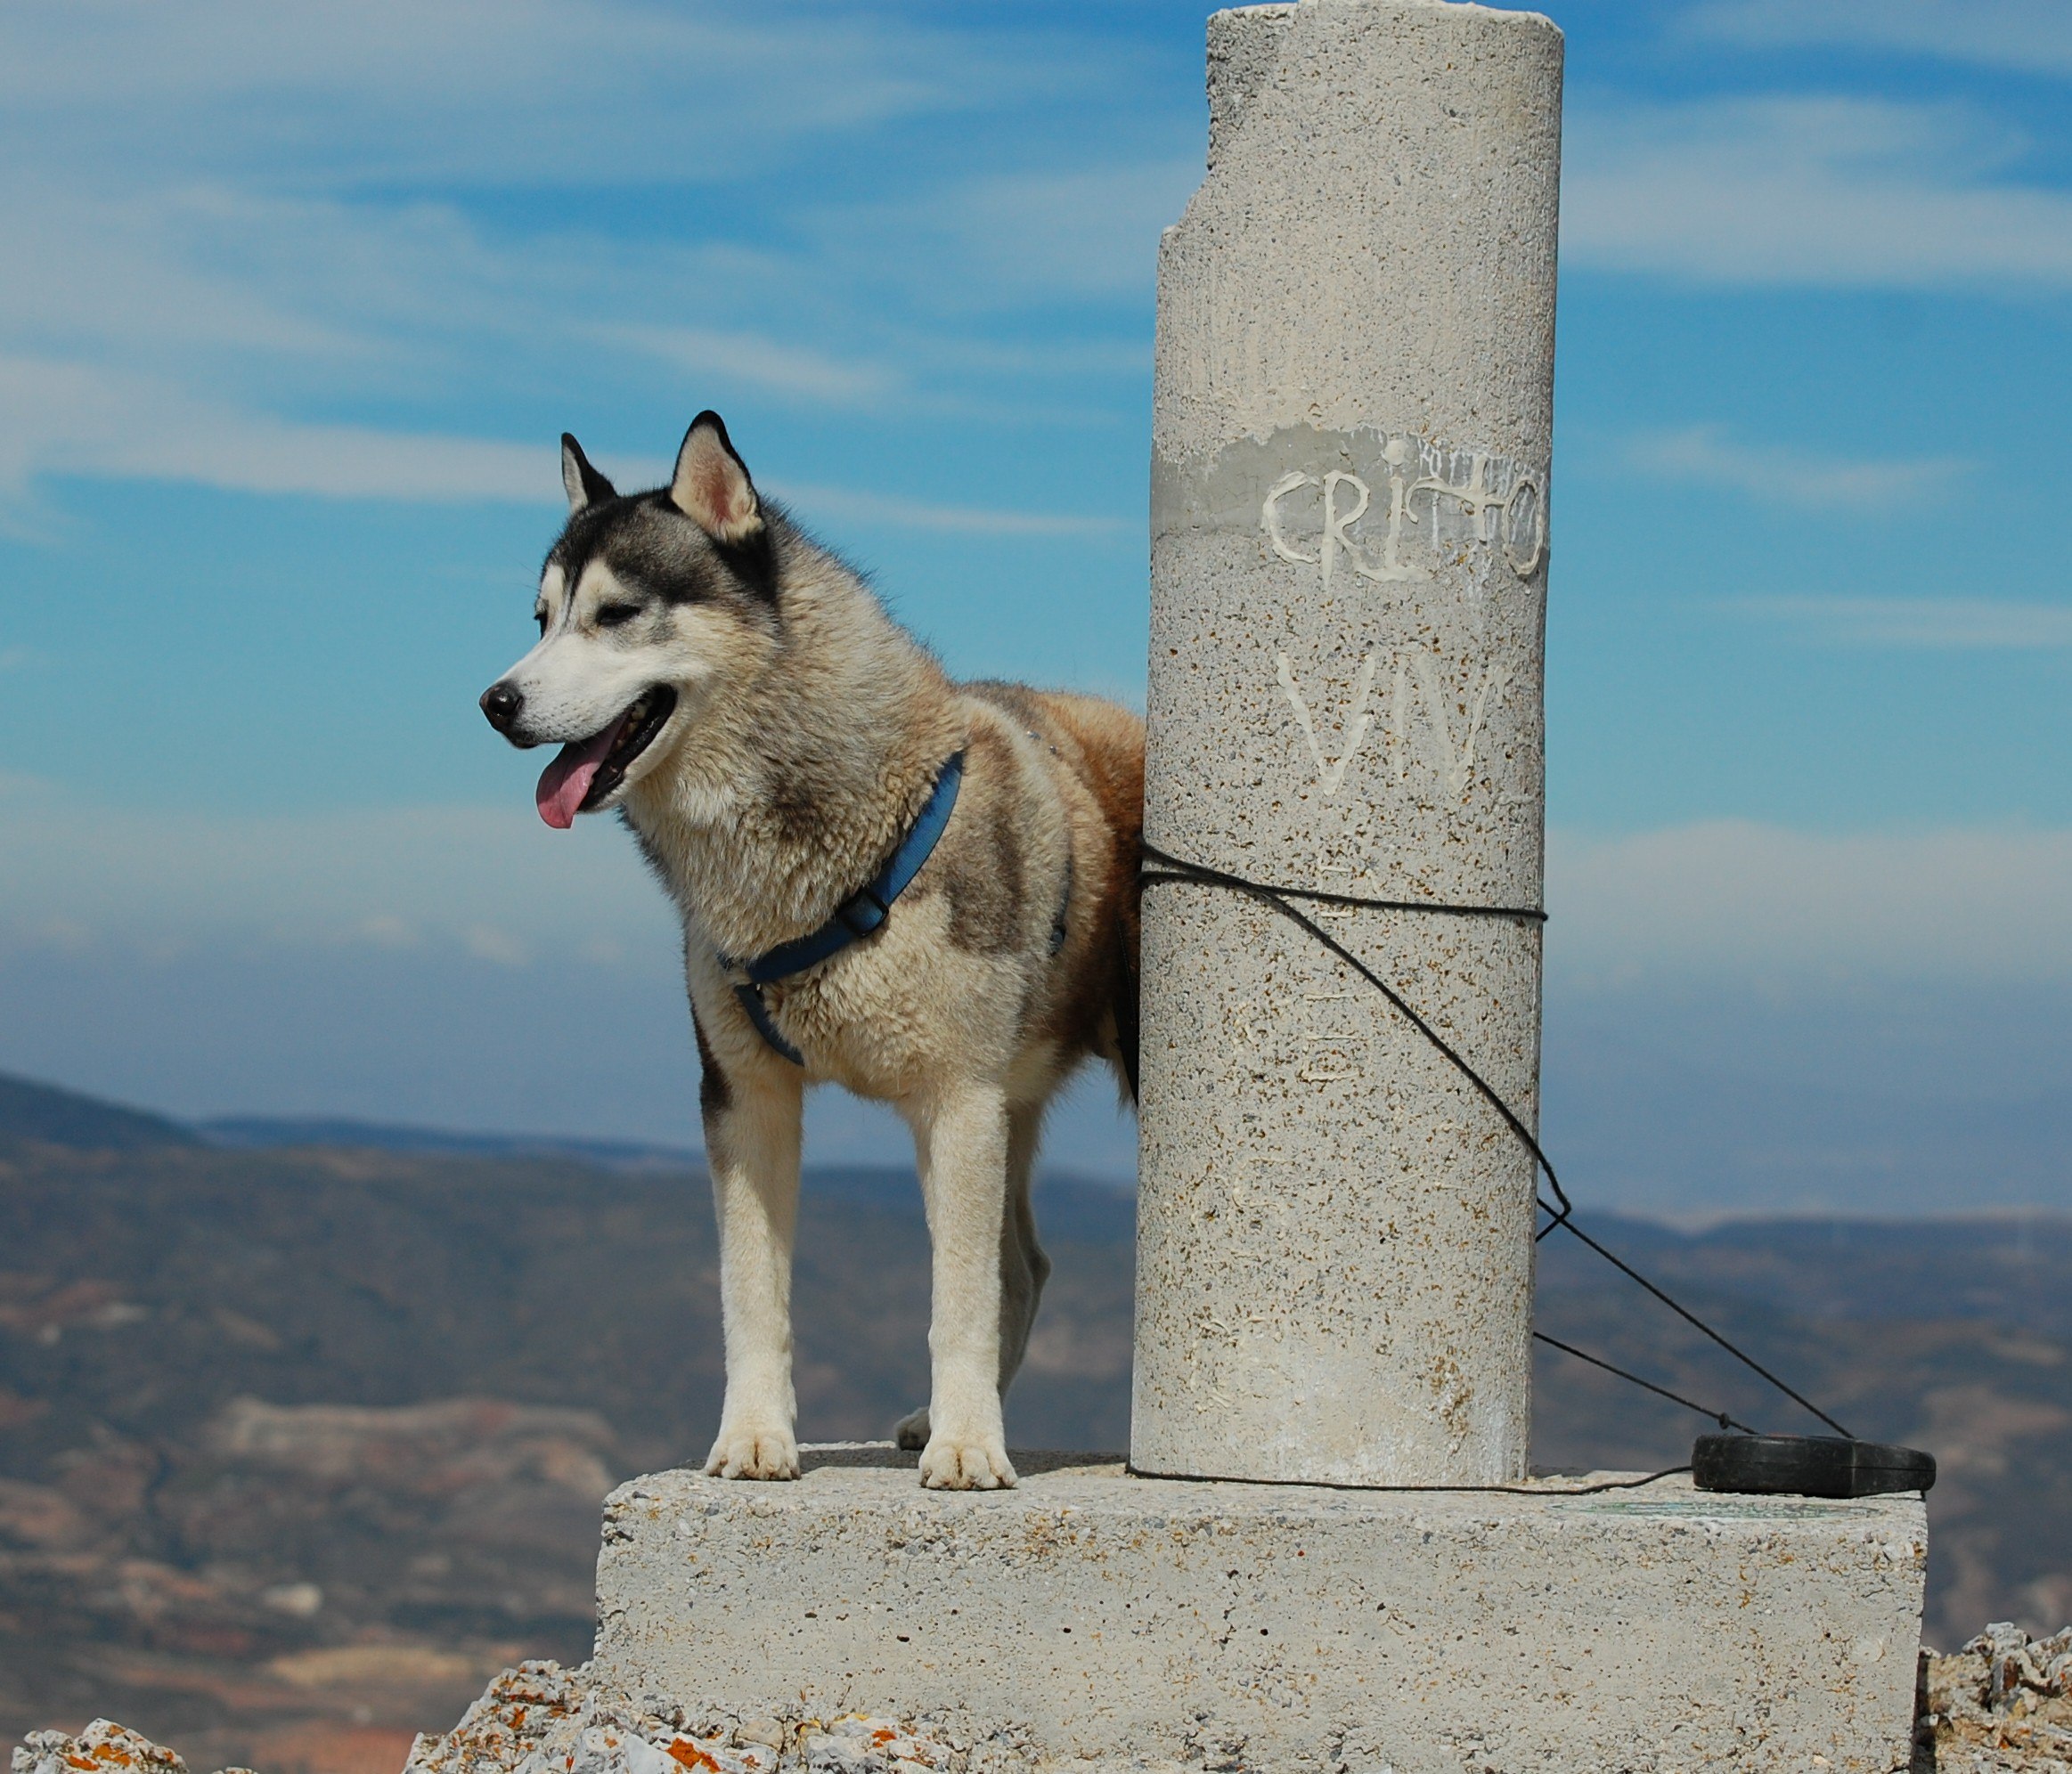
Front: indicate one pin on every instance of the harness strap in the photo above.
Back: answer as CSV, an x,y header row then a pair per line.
x,y
751,1001
855,918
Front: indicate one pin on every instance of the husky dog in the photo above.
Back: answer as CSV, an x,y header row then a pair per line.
x,y
786,755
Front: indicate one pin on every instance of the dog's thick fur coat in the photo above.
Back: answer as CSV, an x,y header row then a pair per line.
x,y
770,735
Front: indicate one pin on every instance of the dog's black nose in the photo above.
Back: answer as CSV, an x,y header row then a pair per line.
x,y
501,704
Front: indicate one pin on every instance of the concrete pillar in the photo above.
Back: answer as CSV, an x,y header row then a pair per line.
x,y
1354,395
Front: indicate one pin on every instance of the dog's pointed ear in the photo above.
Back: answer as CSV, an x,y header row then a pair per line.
x,y
711,486
583,483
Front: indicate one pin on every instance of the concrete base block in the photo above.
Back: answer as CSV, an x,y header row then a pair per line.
x,y
1117,1622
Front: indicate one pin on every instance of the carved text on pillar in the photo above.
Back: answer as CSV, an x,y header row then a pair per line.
x,y
1440,506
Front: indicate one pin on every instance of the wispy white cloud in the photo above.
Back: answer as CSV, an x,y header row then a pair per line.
x,y
1705,455
1934,624
1834,192
1093,232
486,942
886,512
228,228
70,420
1016,240
2026,35
68,417
159,267
504,91
488,882
1754,901
756,361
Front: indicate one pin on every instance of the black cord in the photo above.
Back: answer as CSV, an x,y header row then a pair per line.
x,y
1719,1417
1473,1490
1625,1268
1199,871
1178,868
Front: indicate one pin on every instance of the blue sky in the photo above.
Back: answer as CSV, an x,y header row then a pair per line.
x,y
298,300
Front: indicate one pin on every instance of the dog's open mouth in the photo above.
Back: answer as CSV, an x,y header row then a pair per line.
x,y
587,770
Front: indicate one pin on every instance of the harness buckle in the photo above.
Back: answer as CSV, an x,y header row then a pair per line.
x,y
861,912
855,918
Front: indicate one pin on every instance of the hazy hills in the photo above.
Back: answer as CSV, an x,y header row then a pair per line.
x,y
296,1443
43,1112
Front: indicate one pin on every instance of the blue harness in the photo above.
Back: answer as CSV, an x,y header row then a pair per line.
x,y
861,912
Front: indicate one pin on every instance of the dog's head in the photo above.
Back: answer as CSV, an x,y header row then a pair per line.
x,y
648,602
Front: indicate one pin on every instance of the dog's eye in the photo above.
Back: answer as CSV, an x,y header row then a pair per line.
x,y
540,616
612,615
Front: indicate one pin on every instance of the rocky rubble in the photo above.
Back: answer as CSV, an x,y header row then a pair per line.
x,y
542,1719
2001,1705
103,1747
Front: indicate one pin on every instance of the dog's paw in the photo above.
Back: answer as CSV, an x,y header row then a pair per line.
x,y
947,1465
754,1454
911,1431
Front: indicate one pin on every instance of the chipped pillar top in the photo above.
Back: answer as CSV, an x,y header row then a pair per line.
x,y
1350,535
1306,103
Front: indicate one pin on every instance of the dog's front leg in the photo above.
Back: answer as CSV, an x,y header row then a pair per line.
x,y
752,1147
961,1139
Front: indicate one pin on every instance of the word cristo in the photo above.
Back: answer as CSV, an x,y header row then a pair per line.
x,y
1511,516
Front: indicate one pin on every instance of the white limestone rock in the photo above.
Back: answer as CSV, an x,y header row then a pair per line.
x,y
865,1746
103,1745
2003,1705
542,1719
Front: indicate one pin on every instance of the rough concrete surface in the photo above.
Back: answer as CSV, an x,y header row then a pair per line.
x,y
1352,441
1097,1618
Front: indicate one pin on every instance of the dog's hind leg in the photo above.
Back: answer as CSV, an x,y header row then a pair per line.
x,y
751,1148
962,1141
1024,1266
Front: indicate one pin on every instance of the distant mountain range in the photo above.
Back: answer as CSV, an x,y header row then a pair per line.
x,y
252,1133
30,1111
1097,1207
33,1110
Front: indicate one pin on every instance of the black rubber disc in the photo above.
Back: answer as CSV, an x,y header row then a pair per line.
x,y
1807,1465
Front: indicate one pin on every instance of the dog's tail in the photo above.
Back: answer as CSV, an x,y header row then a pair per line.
x,y
1111,748
1129,973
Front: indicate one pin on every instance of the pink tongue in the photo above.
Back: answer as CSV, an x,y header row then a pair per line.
x,y
566,781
